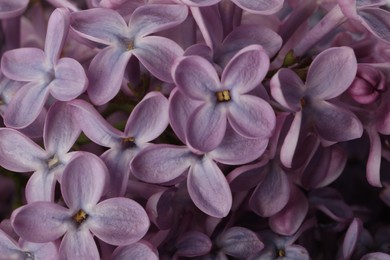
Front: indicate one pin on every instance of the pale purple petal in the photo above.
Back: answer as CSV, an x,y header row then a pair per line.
x,y
26,64
287,89
331,73
118,221
40,186
157,54
41,221
376,256
192,244
94,125
208,188
70,80
105,74
154,108
78,244
159,208
161,163
206,127
351,238
200,3
40,251
8,247
235,149
290,142
140,250
153,18
251,116
296,252
272,194
61,129
246,69
100,25
10,9
18,152
374,158
196,77
265,7
83,181
335,123
26,105
377,21
57,31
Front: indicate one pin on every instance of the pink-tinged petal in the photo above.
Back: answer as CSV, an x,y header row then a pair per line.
x,y
289,219
331,73
41,222
61,129
78,244
265,7
158,55
287,89
40,186
180,109
239,242
208,188
206,127
192,244
70,80
200,3
272,194
374,158
11,9
26,105
26,64
148,19
83,181
235,149
377,21
64,4
161,163
370,3
118,221
290,142
348,7
140,250
246,69
100,25
351,238
335,123
94,125
57,31
251,116
154,107
18,152
196,77
296,252
105,74
376,256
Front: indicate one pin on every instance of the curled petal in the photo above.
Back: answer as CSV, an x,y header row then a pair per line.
x,y
351,238
57,31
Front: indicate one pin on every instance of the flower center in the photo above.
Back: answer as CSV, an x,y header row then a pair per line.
x,y
130,45
80,217
281,253
128,142
53,162
223,96
303,102
29,255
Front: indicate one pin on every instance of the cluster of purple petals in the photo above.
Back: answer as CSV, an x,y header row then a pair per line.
x,y
206,129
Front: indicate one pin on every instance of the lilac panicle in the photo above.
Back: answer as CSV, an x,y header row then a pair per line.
x,y
44,74
105,26
117,221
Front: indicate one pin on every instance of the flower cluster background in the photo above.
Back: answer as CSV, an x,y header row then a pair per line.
x,y
207,129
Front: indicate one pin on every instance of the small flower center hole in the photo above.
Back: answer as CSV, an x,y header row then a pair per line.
x,y
223,96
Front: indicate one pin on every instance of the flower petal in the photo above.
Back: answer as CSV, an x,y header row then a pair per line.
x,y
208,188
351,238
290,142
83,181
374,158
105,74
331,73
57,31
192,244
70,80
18,152
251,117
41,221
12,9
78,244
158,54
246,69
265,7
118,221
154,107
139,250
377,21
153,18
161,163
40,186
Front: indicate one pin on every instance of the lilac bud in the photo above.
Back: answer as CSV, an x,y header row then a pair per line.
x,y
368,84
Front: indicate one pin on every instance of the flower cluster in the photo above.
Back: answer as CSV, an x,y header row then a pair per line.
x,y
208,129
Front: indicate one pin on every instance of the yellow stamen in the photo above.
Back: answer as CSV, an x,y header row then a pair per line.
x,y
130,46
281,253
223,96
128,140
53,162
80,216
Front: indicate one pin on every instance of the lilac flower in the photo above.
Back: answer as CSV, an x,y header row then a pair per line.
x,y
45,73
226,100
330,74
146,122
107,27
117,221
20,154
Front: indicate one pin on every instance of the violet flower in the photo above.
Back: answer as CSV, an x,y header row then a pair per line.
x,y
46,74
106,27
116,221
